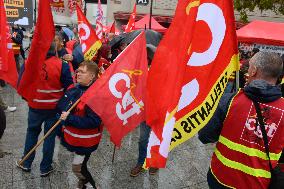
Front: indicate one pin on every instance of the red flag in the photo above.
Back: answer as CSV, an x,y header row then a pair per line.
x,y
8,70
88,38
99,21
112,28
187,79
42,39
118,96
131,23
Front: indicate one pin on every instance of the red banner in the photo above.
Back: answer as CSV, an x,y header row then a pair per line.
x,y
118,96
187,79
131,23
8,70
42,39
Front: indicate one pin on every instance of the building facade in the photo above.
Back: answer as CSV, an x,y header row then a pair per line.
x,y
163,11
120,10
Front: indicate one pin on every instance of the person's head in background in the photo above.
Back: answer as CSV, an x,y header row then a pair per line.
x,y
253,52
59,41
265,66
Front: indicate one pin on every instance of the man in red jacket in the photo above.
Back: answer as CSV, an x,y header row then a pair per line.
x,y
82,130
55,78
240,159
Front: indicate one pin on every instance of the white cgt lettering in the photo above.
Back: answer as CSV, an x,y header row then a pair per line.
x,y
83,38
127,99
217,25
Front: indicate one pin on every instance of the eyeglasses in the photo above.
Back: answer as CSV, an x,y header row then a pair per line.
x,y
80,72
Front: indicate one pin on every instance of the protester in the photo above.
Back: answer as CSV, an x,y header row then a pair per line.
x,y
61,50
17,40
82,128
144,131
240,159
55,77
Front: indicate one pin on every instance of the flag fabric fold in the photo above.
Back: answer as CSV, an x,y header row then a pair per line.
x,y
131,23
88,38
8,70
118,96
189,74
42,39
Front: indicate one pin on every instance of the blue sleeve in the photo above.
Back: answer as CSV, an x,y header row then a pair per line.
x,y
66,78
90,121
210,133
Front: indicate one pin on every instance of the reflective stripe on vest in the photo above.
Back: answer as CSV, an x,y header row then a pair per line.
x,y
241,167
81,136
247,150
49,91
16,48
46,101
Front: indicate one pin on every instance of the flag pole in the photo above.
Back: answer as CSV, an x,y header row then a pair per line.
x,y
46,135
85,8
151,12
113,154
35,13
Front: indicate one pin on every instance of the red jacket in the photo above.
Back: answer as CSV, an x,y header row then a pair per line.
x,y
239,160
78,137
50,88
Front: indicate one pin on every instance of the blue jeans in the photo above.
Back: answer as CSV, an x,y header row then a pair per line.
x,y
143,142
35,119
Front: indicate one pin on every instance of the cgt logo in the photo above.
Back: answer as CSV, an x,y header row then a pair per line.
x,y
128,104
85,33
252,131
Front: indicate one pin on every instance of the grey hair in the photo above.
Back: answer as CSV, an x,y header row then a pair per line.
x,y
269,64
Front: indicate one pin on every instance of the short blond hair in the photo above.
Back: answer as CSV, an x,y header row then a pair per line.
x,y
91,67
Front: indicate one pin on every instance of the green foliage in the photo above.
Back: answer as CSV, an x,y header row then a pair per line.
x,y
243,6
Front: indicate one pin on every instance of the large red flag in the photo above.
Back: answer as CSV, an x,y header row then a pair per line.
x,y
189,74
8,70
42,39
88,38
131,23
118,96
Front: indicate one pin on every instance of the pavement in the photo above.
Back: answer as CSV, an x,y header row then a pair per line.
x,y
186,168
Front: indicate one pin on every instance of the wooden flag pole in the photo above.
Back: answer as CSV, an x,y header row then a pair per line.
x,y
46,135
113,154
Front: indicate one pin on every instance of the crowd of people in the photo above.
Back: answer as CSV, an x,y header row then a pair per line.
x,y
65,76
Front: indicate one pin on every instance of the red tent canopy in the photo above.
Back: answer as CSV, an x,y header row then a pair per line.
x,y
262,32
154,26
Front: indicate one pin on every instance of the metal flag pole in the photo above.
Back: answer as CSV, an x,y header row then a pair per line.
x,y
85,8
151,13
46,135
35,12
113,154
